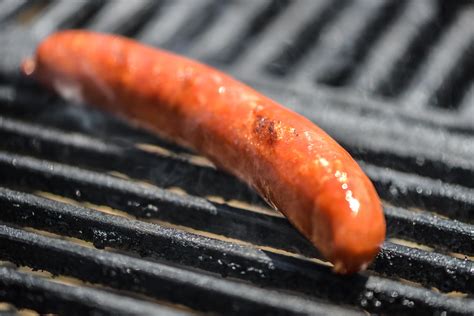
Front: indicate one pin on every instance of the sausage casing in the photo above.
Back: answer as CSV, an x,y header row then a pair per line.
x,y
294,165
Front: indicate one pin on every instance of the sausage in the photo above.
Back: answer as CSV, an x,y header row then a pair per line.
x,y
293,164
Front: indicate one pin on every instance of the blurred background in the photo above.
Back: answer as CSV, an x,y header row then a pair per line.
x,y
134,224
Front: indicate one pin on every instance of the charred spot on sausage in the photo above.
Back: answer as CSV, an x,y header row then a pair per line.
x,y
265,129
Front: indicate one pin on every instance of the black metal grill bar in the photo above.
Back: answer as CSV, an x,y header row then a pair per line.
x,y
181,21
9,8
227,28
42,295
174,15
454,47
47,179
344,41
427,229
407,262
386,54
273,40
121,16
450,95
402,188
260,267
158,280
408,190
61,14
200,21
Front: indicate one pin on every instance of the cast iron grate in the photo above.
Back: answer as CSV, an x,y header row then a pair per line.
x,y
124,222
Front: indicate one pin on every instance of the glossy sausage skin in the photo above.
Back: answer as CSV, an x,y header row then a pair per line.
x,y
295,166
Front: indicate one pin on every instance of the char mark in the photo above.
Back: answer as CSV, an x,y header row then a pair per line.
x,y
265,129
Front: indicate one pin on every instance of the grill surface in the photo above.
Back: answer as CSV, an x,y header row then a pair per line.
x,y
125,223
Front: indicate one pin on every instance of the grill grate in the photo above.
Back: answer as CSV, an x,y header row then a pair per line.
x,y
260,267
34,292
83,195
151,278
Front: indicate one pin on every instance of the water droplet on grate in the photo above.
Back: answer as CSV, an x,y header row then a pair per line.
x,y
369,295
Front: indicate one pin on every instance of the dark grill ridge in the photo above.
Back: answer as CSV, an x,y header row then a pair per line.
x,y
94,203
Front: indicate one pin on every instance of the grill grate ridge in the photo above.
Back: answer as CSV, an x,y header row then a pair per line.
x,y
403,75
50,297
424,228
189,29
229,35
123,17
410,190
292,53
60,14
175,14
9,8
346,42
447,68
261,267
152,278
270,43
389,51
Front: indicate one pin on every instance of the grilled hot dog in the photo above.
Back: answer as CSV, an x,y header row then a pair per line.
x,y
294,165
